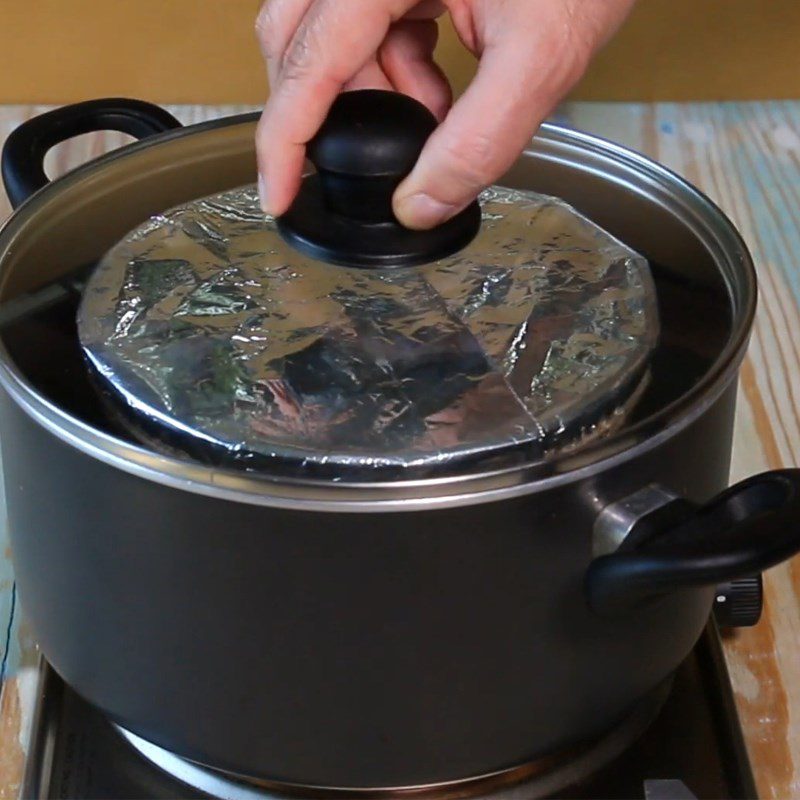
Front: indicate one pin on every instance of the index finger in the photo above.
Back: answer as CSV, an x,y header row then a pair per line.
x,y
332,43
276,23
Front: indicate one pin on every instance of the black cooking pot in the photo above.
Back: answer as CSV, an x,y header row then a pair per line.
x,y
383,634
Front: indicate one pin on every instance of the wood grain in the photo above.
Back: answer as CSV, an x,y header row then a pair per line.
x,y
746,156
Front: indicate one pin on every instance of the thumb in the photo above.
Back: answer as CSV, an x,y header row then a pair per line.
x,y
517,84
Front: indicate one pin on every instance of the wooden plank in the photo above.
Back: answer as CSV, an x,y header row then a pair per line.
x,y
17,703
747,157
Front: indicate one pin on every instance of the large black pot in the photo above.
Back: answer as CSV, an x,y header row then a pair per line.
x,y
371,634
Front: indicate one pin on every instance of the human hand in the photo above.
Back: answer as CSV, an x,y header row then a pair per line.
x,y
531,53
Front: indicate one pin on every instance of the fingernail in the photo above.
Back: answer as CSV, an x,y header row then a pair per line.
x,y
262,193
421,211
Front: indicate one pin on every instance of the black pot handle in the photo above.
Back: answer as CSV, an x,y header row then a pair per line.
x,y
750,527
27,145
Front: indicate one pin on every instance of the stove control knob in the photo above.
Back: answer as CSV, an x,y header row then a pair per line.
x,y
738,604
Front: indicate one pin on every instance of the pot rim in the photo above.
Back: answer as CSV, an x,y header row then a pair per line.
x,y
688,203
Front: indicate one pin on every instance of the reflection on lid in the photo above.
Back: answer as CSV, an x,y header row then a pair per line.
x,y
211,328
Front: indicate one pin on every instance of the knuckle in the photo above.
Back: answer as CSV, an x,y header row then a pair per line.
x,y
580,38
580,44
299,57
266,27
265,19
473,159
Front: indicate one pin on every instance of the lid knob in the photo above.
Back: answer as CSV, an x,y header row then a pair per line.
x,y
369,142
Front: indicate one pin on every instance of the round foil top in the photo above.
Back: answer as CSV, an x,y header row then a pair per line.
x,y
212,336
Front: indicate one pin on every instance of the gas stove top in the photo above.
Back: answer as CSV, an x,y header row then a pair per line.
x,y
693,749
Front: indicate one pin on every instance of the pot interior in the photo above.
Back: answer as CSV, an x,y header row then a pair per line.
x,y
703,277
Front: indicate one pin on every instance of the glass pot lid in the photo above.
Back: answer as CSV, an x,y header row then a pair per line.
x,y
333,341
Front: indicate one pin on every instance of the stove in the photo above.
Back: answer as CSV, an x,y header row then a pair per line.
x,y
688,744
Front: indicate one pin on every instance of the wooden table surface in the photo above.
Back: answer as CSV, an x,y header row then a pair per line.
x,y
746,156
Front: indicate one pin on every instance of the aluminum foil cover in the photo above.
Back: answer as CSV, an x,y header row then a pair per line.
x,y
211,329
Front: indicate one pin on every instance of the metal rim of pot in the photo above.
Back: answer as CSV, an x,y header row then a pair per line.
x,y
554,143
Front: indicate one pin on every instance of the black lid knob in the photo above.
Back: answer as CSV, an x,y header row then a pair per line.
x,y
739,603
369,142
372,133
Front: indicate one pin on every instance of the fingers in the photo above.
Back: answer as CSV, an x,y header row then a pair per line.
x,y
333,42
531,54
278,20
276,24
407,59
522,75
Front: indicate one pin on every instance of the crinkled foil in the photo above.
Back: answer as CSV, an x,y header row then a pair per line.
x,y
215,331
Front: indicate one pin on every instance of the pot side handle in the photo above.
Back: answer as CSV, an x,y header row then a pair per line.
x,y
27,145
748,528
